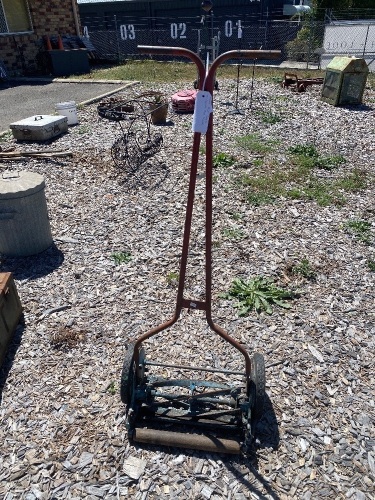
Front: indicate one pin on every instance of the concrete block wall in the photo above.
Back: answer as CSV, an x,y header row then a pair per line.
x,y
21,53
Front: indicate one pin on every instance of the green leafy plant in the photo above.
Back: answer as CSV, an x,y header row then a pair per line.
x,y
111,389
235,215
258,293
307,156
5,136
352,182
324,193
172,278
307,150
275,79
233,233
371,265
255,144
306,42
121,257
258,162
329,162
260,199
269,117
361,229
157,98
305,269
223,160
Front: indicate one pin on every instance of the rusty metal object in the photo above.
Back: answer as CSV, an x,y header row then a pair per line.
x,y
191,441
299,84
211,406
135,148
115,108
137,143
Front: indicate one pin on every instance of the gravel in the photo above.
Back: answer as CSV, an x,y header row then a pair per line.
x,y
62,432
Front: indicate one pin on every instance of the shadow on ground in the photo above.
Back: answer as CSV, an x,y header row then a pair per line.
x,y
35,266
7,364
245,468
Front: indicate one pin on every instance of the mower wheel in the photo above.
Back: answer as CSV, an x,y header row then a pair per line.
x,y
127,375
258,385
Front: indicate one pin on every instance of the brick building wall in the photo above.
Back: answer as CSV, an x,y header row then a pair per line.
x,y
20,53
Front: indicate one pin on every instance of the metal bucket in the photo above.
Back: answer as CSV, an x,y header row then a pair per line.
x,y
24,224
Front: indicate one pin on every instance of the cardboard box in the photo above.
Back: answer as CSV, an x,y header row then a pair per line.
x,y
10,312
39,127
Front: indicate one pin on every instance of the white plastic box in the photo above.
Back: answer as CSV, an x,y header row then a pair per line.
x,y
39,127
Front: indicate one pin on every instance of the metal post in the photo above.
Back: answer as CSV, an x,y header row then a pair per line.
x,y
364,46
117,39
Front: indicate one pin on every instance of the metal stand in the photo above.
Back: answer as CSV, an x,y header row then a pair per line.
x,y
237,111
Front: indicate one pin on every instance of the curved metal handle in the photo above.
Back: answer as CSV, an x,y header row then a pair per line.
x,y
208,80
237,54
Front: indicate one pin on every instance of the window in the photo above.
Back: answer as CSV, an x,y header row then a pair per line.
x,y
14,16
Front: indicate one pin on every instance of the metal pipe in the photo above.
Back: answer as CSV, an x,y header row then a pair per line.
x,y
209,80
209,86
195,368
178,51
178,397
76,17
190,441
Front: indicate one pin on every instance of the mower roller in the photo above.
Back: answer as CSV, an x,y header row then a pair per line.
x,y
194,413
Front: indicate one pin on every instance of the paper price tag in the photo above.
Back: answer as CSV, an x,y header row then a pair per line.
x,y
202,111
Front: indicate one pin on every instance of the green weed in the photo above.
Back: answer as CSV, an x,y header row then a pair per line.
x,y
233,233
329,162
304,269
259,293
268,117
361,230
306,150
355,181
172,278
111,389
299,183
324,193
5,136
223,160
258,162
371,265
308,157
235,215
260,199
121,257
255,144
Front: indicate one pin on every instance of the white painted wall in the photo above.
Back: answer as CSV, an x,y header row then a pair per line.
x,y
349,39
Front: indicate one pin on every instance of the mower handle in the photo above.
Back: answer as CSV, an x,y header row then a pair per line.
x,y
210,77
